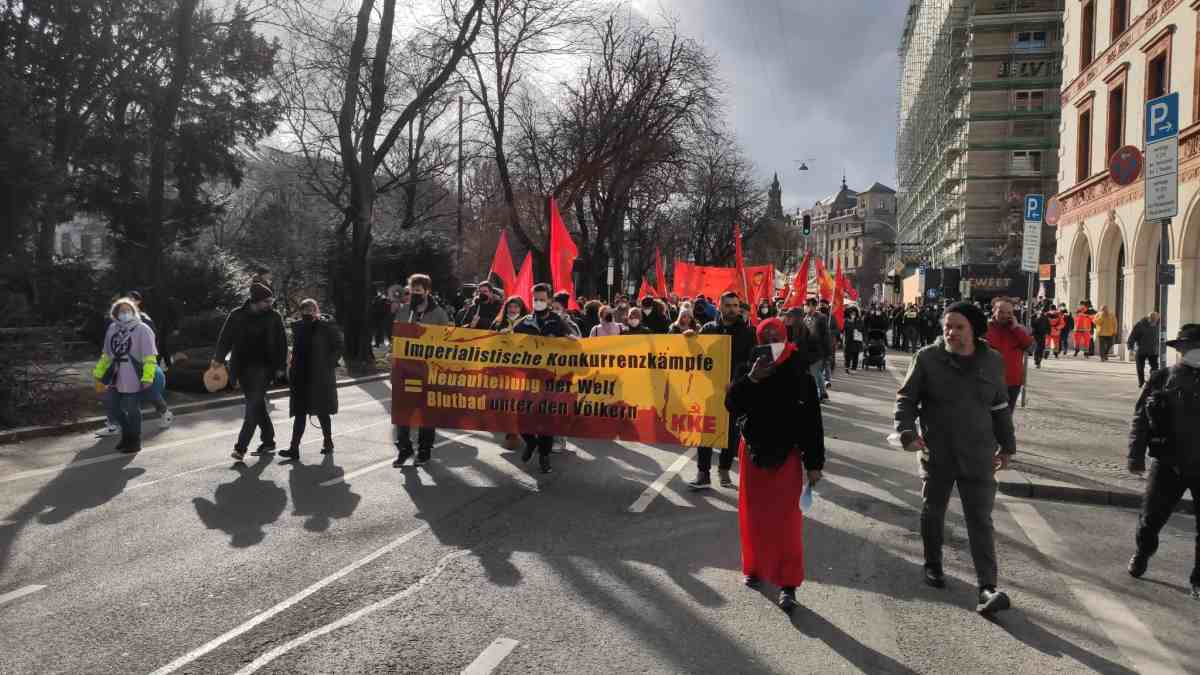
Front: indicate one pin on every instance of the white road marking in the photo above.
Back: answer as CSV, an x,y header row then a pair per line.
x,y
425,478
656,487
286,604
720,504
165,446
491,658
352,617
1133,639
227,462
19,593
387,462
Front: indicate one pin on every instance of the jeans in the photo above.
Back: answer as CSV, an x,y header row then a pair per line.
x,y
829,363
1164,488
154,394
129,413
818,372
301,422
725,462
425,437
978,499
254,380
1141,366
1039,351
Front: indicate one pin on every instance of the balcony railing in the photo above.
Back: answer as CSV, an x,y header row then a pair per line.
x,y
986,7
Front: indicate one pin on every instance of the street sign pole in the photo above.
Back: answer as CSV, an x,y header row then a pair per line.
x,y
1031,250
1164,284
1162,193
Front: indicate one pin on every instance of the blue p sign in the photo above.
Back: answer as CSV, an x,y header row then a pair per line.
x,y
1034,206
1162,118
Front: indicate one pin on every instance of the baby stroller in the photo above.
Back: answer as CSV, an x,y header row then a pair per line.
x,y
876,350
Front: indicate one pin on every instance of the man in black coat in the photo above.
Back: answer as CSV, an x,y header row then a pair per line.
x,y
1166,423
254,338
483,313
544,322
732,324
1143,340
317,345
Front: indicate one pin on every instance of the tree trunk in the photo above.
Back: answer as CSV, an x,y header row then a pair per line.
x,y
358,330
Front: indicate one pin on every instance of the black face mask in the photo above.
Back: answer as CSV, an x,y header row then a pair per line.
x,y
418,299
308,317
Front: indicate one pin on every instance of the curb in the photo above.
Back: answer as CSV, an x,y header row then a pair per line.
x,y
88,423
1016,484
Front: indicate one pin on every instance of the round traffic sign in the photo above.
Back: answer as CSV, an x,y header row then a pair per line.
x,y
1125,166
1053,211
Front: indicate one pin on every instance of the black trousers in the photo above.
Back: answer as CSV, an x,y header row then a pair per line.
x,y
1165,486
852,358
1141,366
254,380
542,444
725,462
425,437
1039,349
978,499
301,422
1014,395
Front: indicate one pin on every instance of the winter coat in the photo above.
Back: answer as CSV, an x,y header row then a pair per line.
x,y
780,415
252,338
963,407
1106,324
742,335
853,346
819,335
432,315
1144,337
1166,420
485,311
312,372
548,324
656,319
1057,324
1041,326
1013,343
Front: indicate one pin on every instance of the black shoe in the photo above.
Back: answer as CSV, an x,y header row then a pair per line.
x,y
123,443
291,453
787,599
824,397
264,449
991,601
751,581
702,482
1138,564
132,445
527,453
726,480
238,455
934,576
422,458
544,464
1196,590
403,453
328,446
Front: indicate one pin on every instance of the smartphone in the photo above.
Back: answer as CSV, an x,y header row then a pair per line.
x,y
760,351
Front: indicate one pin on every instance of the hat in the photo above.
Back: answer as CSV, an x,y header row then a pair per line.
x,y
260,292
1189,335
974,316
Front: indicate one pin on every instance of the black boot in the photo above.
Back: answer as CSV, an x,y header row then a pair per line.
x,y
544,463
133,444
328,446
934,576
403,453
292,453
992,601
787,598
265,448
1138,565
702,482
123,443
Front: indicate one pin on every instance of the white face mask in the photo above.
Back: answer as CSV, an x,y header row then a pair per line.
x,y
539,305
125,317
633,323
1192,358
777,349
513,316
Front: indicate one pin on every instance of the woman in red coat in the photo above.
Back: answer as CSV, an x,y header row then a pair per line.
x,y
782,438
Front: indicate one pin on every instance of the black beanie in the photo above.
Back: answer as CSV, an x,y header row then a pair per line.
x,y
974,316
260,292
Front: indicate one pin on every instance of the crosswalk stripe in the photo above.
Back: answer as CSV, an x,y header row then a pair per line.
x,y
657,486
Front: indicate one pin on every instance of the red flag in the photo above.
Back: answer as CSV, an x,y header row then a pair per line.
x,y
646,291
824,281
799,293
523,286
502,266
660,274
853,293
742,287
783,293
563,253
838,310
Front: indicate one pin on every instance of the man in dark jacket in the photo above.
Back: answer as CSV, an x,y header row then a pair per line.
x,y
544,322
956,387
1166,423
1143,340
423,309
1041,330
317,344
732,324
254,339
482,314
816,323
381,319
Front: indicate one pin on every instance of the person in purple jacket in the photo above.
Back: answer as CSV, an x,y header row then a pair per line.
x,y
127,368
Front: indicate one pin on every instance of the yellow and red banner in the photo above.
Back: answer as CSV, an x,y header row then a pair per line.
x,y
658,389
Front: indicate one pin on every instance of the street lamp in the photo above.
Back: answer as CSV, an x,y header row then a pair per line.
x,y
803,163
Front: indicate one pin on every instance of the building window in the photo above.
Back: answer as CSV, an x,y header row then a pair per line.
x,y
1158,64
1087,46
1031,39
1027,162
1083,148
1116,120
1120,18
1029,100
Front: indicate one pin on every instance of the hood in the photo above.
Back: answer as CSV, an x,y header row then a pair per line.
x,y
112,313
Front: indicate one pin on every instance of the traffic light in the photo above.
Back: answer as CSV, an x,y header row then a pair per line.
x,y
806,228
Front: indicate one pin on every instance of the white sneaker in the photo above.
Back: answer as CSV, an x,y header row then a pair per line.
x,y
108,430
165,421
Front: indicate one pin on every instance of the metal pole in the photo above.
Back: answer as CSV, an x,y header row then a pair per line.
x,y
459,244
1029,323
1164,256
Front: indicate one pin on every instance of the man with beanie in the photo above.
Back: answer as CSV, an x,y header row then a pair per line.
x,y
956,387
254,340
1166,423
1009,338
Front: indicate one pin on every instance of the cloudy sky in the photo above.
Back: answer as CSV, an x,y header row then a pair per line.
x,y
805,79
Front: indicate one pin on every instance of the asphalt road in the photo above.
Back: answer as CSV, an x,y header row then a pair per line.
x,y
175,560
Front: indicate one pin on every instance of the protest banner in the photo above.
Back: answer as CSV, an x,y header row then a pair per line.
x,y
658,389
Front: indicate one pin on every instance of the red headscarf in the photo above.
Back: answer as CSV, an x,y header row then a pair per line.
x,y
780,329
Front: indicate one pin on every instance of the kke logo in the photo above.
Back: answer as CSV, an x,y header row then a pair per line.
x,y
694,421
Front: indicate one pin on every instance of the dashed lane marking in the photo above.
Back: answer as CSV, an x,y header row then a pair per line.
x,y
657,486
19,593
491,658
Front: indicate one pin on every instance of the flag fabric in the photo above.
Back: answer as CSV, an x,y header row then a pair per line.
x,y
853,293
660,274
799,292
692,280
523,286
739,264
783,293
502,266
824,281
838,310
563,253
646,291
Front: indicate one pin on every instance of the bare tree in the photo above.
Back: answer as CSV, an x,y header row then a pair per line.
x,y
720,191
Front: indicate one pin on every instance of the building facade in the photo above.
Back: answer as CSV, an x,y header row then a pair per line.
x,y
854,228
1120,54
977,127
